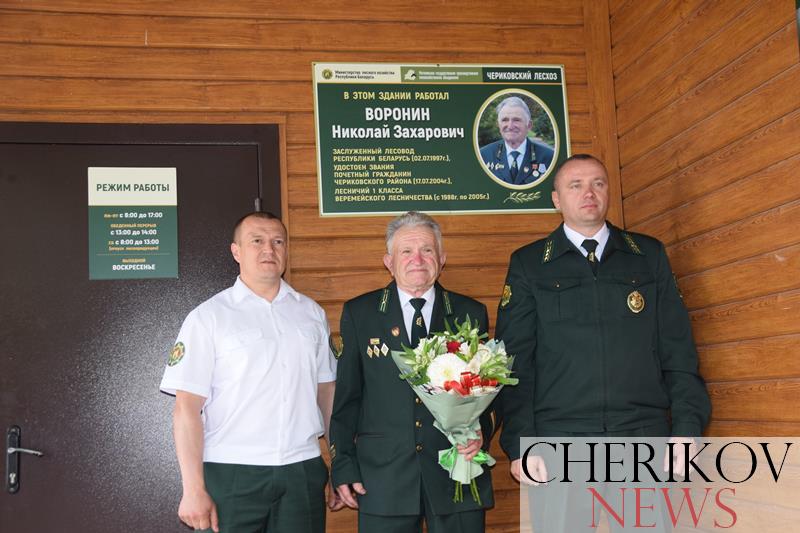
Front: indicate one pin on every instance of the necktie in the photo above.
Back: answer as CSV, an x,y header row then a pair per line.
x,y
590,245
514,167
418,328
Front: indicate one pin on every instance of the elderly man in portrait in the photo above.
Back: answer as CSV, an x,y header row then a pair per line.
x,y
384,446
516,158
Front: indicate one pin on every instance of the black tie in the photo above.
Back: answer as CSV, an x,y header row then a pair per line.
x,y
514,167
418,329
590,245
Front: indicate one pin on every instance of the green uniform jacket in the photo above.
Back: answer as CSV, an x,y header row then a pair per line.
x,y
381,434
611,353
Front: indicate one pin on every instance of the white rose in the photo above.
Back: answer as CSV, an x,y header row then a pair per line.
x,y
446,367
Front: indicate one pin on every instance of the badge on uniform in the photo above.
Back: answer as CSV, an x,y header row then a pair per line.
x,y
333,451
376,348
336,344
396,331
506,297
635,302
177,353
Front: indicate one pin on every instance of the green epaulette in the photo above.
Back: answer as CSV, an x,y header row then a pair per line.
x,y
448,308
548,251
383,306
632,244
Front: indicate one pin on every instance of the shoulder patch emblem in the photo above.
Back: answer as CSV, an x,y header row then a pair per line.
x,y
631,243
548,252
506,297
336,344
177,353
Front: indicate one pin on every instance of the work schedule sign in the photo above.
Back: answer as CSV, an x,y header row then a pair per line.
x,y
133,223
438,138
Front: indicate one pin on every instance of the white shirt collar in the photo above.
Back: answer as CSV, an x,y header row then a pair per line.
x,y
521,149
408,309
242,291
577,239
405,298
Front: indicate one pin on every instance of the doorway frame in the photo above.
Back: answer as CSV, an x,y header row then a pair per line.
x,y
187,129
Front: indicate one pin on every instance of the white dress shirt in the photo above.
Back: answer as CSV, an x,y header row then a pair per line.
x,y
577,239
521,149
408,309
258,364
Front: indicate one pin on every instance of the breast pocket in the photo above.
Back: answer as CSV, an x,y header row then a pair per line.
x,y
558,299
241,352
634,295
312,343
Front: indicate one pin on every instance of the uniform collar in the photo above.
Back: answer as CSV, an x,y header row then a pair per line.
x,y
242,291
522,148
622,241
577,239
557,243
429,295
390,293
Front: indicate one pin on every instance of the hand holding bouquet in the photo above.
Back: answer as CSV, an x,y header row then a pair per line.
x,y
457,376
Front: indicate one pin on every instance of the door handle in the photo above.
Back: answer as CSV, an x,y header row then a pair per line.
x,y
13,451
37,453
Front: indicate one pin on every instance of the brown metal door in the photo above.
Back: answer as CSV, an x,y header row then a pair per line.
x,y
80,360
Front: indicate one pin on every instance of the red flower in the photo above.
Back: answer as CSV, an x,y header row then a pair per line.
x,y
453,346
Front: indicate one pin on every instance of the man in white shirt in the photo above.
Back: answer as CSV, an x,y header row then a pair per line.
x,y
254,379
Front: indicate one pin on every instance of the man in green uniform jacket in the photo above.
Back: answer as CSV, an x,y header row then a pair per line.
x,y
384,446
602,340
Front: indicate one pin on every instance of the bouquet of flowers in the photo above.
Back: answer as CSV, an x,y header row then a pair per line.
x,y
457,375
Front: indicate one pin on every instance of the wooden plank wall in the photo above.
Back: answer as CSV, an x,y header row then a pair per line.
x,y
708,111
249,61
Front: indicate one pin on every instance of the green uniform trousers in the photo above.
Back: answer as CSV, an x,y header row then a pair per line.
x,y
463,522
269,499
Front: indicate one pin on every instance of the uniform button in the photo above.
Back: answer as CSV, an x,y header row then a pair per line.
x,y
418,424
419,447
418,401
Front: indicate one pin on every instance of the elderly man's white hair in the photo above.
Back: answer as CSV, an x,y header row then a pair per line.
x,y
515,101
413,219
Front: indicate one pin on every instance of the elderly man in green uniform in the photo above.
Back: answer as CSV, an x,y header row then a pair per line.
x,y
602,340
384,446
516,159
